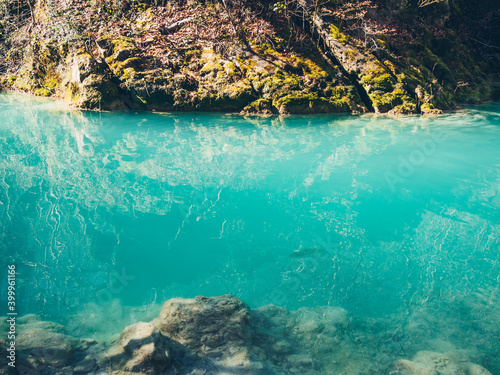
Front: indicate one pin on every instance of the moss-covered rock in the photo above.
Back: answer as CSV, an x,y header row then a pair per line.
x,y
335,65
259,106
96,92
304,102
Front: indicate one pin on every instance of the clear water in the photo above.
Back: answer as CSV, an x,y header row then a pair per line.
x,y
375,214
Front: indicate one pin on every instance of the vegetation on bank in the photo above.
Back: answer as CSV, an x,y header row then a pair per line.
x,y
294,56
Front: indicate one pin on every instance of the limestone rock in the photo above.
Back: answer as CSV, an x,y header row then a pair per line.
x,y
85,366
218,328
204,322
432,363
98,92
141,348
50,348
87,84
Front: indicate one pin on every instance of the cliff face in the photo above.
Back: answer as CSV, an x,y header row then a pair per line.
x,y
397,56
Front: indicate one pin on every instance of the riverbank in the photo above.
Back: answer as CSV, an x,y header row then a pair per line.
x,y
247,57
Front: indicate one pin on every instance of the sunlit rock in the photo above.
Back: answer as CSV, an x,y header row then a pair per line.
x,y
431,363
202,322
141,348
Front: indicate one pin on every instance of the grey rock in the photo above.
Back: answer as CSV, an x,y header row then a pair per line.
x,y
201,322
86,365
49,348
141,348
432,363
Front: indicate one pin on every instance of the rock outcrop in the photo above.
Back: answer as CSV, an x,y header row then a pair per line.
x,y
204,323
141,348
218,328
298,58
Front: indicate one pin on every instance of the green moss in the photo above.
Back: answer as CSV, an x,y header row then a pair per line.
x,y
398,100
309,68
211,63
52,83
278,84
145,19
230,69
335,33
123,48
381,43
123,54
42,92
438,68
118,67
128,73
192,54
381,81
259,106
350,53
344,97
404,109
303,102
428,109
237,96
7,81
211,67
389,65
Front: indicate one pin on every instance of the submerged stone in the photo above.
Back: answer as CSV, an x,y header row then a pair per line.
x,y
46,349
202,323
432,363
141,348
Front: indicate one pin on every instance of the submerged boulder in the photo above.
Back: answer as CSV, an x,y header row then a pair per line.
x,y
206,322
432,363
141,348
217,328
44,350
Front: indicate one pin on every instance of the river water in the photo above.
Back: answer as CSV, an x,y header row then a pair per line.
x,y
385,217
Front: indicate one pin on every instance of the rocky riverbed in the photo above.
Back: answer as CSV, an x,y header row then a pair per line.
x,y
222,335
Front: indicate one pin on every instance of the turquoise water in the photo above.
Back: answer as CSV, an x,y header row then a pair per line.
x,y
374,214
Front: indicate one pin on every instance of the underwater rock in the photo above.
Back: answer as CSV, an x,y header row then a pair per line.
x,y
141,348
308,340
201,335
222,335
4,367
85,366
45,349
32,321
204,323
217,328
432,363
